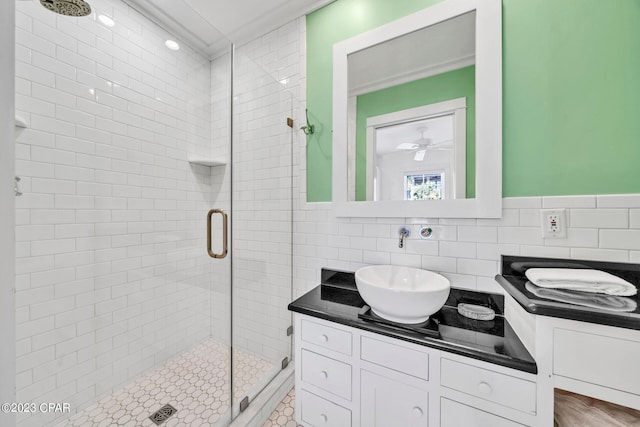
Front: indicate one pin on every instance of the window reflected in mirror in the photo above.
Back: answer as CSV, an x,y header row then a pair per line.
x,y
425,186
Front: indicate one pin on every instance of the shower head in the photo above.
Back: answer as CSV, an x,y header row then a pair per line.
x,y
67,7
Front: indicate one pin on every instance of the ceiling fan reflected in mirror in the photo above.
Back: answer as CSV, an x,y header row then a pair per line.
x,y
423,144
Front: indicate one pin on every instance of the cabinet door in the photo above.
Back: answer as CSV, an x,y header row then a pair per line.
x,y
390,403
575,354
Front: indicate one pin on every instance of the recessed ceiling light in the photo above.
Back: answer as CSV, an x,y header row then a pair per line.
x,y
105,20
172,45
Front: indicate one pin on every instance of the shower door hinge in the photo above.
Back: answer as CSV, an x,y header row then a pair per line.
x,y
16,187
244,403
285,363
289,122
290,330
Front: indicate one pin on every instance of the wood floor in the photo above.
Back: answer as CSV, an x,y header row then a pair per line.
x,y
575,410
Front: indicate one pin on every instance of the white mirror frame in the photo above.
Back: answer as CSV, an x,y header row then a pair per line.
x,y
488,200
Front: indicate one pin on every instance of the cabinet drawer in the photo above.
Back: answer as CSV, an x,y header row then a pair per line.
x,y
326,336
316,411
454,414
577,354
396,357
326,373
503,389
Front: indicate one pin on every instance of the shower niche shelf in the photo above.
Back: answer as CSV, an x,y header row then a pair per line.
x,y
20,122
207,161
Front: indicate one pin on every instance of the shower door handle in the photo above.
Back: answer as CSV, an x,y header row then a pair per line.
x,y
224,233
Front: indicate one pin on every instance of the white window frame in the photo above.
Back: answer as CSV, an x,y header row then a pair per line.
x,y
457,107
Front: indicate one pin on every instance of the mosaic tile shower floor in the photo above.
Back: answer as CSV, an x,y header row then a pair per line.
x,y
196,383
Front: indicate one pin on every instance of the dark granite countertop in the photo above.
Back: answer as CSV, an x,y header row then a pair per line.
x,y
514,281
494,341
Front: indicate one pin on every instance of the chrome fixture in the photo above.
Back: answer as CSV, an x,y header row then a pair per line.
x,y
308,129
404,233
16,188
426,232
67,7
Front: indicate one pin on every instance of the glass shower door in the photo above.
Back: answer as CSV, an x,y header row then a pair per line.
x,y
261,228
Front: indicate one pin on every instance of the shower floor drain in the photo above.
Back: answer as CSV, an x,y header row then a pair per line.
x,y
163,414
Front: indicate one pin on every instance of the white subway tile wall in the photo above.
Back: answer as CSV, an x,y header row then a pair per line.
x,y
113,278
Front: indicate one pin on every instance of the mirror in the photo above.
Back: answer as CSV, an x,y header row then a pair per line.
x,y
417,115
408,127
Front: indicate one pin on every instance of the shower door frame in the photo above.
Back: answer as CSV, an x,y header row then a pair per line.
x,y
7,210
238,407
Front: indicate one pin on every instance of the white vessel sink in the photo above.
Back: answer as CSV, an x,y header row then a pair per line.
x,y
402,294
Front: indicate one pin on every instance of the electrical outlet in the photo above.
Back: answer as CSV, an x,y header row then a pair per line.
x,y
554,223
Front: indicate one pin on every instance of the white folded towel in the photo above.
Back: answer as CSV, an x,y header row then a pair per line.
x,y
583,280
602,302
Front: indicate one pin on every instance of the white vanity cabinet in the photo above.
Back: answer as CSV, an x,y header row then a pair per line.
x,y
584,358
351,377
583,351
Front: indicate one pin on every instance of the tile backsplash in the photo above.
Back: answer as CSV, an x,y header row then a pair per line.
x,y
467,251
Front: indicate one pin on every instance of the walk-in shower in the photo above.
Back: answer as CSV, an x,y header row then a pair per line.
x,y
120,310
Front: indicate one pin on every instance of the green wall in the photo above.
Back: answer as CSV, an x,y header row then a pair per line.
x,y
571,92
459,83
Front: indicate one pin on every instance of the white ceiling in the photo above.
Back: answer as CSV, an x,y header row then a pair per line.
x,y
209,25
432,50
439,130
